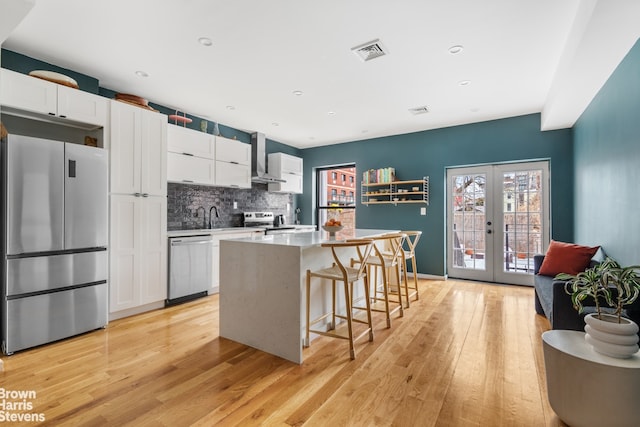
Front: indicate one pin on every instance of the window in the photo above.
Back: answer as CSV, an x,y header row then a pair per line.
x,y
332,200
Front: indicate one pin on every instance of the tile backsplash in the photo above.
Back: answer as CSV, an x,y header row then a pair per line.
x,y
188,206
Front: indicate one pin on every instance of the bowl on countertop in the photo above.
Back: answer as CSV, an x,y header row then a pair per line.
x,y
332,229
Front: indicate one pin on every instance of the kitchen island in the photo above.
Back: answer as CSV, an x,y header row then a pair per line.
x,y
262,288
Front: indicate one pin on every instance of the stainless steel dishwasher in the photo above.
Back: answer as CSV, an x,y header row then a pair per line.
x,y
190,268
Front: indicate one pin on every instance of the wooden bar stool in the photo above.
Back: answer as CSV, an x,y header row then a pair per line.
x,y
387,253
340,271
409,254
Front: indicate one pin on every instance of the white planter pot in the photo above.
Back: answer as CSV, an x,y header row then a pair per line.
x,y
611,338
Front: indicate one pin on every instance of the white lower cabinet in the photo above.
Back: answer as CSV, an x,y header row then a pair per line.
x,y
138,251
215,263
215,267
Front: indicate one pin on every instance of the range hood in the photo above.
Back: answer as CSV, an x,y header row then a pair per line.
x,y
259,160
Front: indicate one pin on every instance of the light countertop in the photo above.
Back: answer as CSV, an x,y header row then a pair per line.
x,y
228,230
213,231
316,238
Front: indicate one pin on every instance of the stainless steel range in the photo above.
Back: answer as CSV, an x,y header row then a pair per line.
x,y
273,224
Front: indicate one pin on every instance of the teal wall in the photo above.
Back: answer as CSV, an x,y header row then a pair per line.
x,y
607,165
430,153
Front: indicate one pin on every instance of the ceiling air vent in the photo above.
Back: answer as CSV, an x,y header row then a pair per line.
x,y
419,110
370,50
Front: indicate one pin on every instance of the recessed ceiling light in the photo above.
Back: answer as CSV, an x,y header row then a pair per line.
x,y
298,92
331,113
456,49
464,82
205,41
230,107
141,74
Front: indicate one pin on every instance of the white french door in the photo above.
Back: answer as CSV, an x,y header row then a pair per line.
x,y
497,219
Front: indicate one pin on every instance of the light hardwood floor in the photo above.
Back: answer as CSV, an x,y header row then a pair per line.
x,y
465,354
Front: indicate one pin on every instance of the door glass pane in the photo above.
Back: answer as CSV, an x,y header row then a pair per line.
x,y
522,213
468,232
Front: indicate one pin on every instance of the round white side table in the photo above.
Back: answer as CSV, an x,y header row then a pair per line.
x,y
586,388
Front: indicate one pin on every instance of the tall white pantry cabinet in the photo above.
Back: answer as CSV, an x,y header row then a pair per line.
x,y
138,209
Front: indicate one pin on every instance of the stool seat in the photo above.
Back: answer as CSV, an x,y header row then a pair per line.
x,y
335,273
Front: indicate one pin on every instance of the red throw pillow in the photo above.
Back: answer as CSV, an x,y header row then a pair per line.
x,y
566,258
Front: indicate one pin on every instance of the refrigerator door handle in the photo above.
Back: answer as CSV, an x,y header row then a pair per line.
x,y
72,168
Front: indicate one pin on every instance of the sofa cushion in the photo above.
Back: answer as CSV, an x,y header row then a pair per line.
x,y
566,258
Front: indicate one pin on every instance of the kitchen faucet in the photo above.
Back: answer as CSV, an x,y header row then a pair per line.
x,y
212,221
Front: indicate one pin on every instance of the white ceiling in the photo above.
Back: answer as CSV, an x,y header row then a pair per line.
x,y
519,56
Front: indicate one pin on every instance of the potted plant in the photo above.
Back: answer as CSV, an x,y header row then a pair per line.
x,y
614,286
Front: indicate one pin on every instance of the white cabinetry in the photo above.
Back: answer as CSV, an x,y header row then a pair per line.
x,y
287,167
34,95
191,156
138,227
215,264
138,151
189,169
138,252
233,163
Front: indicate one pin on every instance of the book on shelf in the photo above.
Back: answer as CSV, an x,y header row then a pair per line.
x,y
379,176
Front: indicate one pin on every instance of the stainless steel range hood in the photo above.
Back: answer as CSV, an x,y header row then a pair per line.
x,y
259,160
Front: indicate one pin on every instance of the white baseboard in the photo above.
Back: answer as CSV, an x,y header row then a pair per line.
x,y
428,276
136,310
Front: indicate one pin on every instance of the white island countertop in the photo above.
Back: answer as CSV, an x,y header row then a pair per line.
x,y
262,288
221,231
314,238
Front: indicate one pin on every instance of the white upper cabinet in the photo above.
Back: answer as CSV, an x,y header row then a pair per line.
x,y
233,175
232,151
187,141
191,156
190,169
138,151
287,167
34,95
233,163
82,106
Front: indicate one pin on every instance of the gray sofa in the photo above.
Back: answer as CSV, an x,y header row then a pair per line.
x,y
552,301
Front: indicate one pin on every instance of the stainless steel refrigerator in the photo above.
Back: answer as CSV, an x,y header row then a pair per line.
x,y
54,240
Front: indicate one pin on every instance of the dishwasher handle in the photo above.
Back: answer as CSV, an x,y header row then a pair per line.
x,y
179,242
